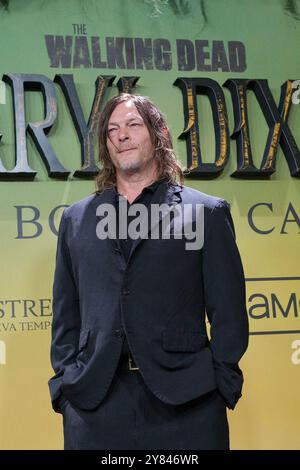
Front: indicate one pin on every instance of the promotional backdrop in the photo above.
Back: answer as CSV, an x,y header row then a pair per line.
x,y
169,45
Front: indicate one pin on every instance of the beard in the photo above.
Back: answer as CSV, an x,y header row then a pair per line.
x,y
130,166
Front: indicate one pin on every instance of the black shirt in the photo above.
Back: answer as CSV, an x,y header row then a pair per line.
x,y
145,198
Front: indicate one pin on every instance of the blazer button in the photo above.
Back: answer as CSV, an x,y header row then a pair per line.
x,y
119,333
125,292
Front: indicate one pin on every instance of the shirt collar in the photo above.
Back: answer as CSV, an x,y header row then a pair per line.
x,y
152,187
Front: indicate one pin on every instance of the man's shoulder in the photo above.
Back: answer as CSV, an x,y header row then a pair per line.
x,y
79,207
191,195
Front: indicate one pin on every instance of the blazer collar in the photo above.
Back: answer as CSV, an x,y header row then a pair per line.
x,y
166,193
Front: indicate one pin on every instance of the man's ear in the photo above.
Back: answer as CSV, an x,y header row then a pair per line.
x,y
166,131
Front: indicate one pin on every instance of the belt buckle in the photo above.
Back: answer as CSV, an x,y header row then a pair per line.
x,y
130,363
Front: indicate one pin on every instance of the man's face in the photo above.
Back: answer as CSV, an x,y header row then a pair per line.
x,y
129,142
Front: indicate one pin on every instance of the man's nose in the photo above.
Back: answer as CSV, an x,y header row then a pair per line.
x,y
123,134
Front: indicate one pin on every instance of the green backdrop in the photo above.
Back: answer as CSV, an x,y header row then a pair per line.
x,y
268,415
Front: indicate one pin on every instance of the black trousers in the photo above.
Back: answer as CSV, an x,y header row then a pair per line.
x,y
132,418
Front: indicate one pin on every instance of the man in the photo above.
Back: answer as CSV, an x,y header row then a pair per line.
x,y
134,365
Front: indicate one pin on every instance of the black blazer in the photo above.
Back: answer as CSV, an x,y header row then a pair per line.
x,y
158,300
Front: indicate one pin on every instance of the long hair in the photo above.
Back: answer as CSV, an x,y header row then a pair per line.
x,y
168,166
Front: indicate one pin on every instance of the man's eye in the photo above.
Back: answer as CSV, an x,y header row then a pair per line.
x,y
134,124
111,130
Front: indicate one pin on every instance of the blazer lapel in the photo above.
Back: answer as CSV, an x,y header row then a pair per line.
x,y
108,197
165,194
